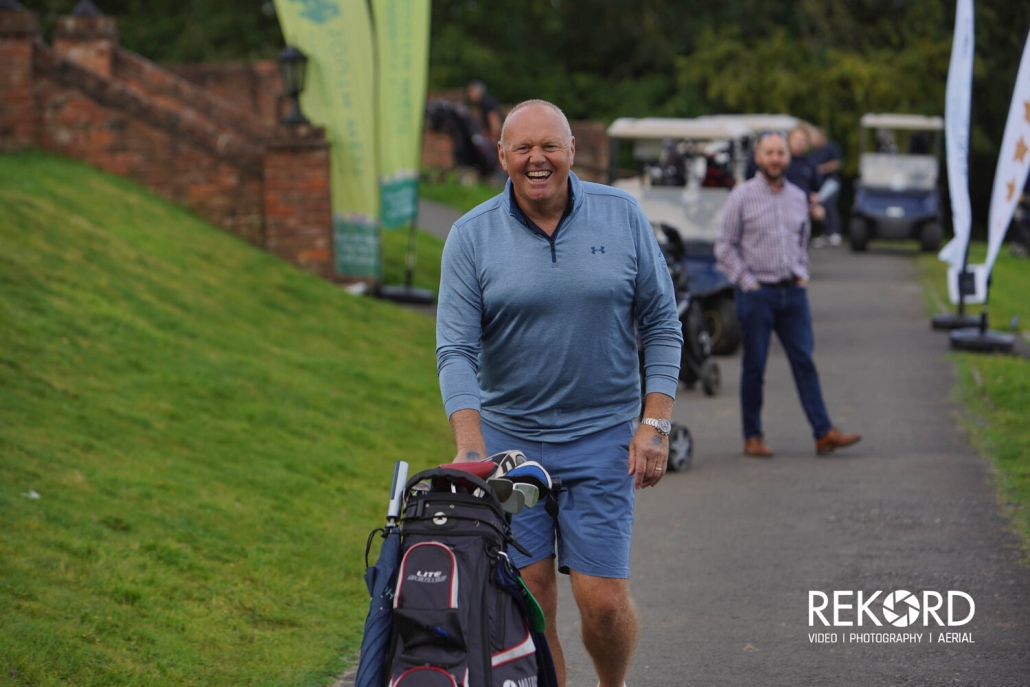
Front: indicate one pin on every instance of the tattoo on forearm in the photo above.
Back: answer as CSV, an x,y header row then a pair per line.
x,y
472,455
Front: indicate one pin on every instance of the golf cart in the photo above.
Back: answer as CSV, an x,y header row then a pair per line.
x,y
758,124
686,170
896,194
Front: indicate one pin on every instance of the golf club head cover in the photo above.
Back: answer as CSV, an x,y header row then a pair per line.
x,y
505,461
531,472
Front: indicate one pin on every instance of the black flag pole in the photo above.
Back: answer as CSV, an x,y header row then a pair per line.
x,y
408,292
978,338
966,285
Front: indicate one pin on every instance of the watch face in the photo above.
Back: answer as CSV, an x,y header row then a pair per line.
x,y
664,426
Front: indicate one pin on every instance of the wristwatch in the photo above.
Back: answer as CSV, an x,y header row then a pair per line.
x,y
663,426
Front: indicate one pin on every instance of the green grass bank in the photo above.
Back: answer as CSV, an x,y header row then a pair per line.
x,y
195,440
995,389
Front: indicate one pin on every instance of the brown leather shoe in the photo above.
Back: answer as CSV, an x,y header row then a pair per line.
x,y
757,448
835,439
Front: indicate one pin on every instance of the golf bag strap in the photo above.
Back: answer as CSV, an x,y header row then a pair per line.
x,y
551,505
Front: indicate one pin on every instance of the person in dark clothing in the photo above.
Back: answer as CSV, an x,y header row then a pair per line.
x,y
802,172
484,110
828,160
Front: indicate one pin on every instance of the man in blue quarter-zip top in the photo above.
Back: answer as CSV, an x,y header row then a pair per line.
x,y
542,292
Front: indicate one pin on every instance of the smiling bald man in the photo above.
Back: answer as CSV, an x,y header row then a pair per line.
x,y
542,291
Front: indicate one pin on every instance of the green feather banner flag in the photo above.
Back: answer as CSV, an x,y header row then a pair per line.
x,y
336,36
402,63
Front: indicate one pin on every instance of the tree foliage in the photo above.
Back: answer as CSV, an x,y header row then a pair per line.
x,y
175,31
828,62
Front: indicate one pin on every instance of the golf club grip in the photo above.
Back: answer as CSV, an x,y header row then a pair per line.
x,y
400,478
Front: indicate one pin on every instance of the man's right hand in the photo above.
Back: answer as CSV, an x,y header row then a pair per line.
x,y
469,455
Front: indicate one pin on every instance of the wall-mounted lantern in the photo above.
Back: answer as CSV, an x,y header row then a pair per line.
x,y
293,65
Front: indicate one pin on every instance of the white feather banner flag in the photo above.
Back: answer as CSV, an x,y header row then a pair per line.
x,y
957,101
1013,162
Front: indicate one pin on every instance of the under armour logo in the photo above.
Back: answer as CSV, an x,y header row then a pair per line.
x,y
594,251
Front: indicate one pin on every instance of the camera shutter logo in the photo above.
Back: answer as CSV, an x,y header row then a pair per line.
x,y
901,608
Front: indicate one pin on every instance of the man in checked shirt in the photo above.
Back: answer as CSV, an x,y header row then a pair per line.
x,y
763,248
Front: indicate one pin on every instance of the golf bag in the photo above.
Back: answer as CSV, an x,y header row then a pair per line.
x,y
461,614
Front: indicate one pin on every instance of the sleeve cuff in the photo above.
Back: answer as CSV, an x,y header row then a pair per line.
x,y
661,382
461,402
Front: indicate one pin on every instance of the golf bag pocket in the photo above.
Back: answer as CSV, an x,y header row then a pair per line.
x,y
427,614
513,652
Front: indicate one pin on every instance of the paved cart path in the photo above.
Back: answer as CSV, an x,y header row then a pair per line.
x,y
725,555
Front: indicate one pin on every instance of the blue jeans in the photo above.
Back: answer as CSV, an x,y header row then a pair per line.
x,y
783,309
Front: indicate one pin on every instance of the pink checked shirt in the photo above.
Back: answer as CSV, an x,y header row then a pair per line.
x,y
763,237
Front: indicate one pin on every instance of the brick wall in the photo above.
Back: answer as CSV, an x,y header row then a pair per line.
x,y
437,150
18,32
173,151
591,151
88,41
256,87
90,99
296,205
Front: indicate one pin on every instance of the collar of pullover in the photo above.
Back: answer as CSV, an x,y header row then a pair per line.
x,y
575,196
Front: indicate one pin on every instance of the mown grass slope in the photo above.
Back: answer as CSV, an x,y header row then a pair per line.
x,y
995,389
195,440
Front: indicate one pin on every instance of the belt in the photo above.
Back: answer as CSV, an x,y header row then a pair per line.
x,y
781,284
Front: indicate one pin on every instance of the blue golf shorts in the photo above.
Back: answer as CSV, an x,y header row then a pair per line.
x,y
591,534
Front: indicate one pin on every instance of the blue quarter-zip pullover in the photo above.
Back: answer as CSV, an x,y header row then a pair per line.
x,y
538,333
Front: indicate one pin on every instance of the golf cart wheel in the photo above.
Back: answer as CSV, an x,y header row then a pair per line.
x,y
722,325
930,235
681,448
859,232
711,377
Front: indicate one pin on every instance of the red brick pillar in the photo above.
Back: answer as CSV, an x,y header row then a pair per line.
x,y
19,31
298,208
87,40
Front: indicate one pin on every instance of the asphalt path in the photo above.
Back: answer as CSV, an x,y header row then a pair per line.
x,y
726,554
436,218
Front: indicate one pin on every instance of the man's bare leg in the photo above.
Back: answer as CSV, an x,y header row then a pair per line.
x,y
541,578
610,625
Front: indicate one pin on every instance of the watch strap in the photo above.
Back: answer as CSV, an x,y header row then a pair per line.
x,y
657,424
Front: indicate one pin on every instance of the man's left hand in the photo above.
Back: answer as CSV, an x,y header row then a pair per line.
x,y
648,456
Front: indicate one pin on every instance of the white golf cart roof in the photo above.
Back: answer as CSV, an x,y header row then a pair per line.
x,y
902,121
683,129
758,123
